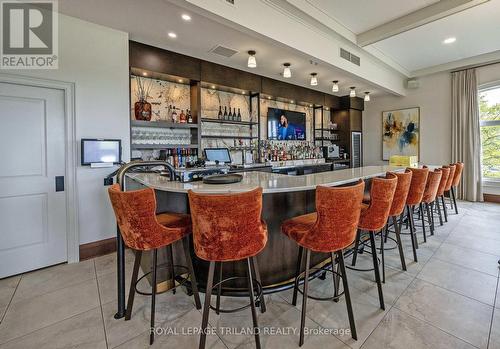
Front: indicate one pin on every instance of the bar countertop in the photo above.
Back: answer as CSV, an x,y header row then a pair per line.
x,y
270,182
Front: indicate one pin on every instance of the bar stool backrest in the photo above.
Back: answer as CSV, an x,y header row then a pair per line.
x,y
227,227
417,186
135,213
401,193
445,170
431,186
451,176
458,174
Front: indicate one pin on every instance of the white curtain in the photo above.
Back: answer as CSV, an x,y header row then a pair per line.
x,y
466,133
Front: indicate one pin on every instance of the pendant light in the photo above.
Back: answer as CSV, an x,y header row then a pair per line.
x,y
353,92
287,72
314,79
252,62
367,96
335,86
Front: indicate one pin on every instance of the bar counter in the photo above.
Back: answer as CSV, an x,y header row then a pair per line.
x,y
284,197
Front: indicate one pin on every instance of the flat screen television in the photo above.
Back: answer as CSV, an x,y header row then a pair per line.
x,y
286,125
99,151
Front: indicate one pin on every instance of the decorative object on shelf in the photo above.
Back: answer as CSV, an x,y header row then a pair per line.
x,y
287,72
314,79
335,86
367,96
401,132
252,62
353,92
142,108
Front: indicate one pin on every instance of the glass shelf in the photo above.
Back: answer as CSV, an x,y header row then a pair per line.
x,y
161,124
244,123
163,146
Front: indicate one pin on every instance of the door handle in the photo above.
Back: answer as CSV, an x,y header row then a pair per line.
x,y
59,183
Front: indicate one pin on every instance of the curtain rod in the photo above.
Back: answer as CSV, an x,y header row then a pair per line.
x,y
476,66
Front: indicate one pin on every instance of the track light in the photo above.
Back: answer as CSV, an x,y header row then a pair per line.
x,y
353,92
335,86
314,79
367,96
287,73
252,62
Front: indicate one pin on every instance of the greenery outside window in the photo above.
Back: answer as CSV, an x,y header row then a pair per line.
x,y
489,107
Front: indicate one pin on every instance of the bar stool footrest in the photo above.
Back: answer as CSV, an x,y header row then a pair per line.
x,y
162,266
258,297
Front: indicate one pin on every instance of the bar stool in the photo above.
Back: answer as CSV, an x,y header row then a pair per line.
x,y
431,188
445,170
229,228
330,229
373,219
415,195
457,176
447,188
143,230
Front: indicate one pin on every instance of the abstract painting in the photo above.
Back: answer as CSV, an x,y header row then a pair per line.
x,y
401,132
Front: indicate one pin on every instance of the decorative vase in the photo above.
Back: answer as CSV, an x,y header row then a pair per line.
x,y
142,110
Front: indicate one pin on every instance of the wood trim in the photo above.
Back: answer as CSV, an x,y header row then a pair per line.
x,y
97,248
491,198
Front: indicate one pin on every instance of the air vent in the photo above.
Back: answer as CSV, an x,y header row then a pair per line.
x,y
350,57
224,51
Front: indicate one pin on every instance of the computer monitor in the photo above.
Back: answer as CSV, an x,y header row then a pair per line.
x,y
218,154
101,151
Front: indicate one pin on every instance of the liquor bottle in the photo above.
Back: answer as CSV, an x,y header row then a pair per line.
x,y
182,117
230,115
174,115
225,114
238,118
219,116
235,117
190,117
169,112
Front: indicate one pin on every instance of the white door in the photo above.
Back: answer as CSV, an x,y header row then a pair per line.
x,y
32,155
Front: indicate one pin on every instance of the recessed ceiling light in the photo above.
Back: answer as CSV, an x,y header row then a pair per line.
x,y
213,86
242,92
144,73
268,97
186,17
449,40
180,80
172,35
291,101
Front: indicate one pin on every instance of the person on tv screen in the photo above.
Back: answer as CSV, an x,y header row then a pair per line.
x,y
286,131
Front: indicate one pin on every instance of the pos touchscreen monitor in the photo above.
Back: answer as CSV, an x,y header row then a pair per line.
x,y
101,151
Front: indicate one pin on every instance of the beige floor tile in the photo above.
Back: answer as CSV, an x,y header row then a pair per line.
x,y
460,316
467,282
41,311
7,288
107,264
484,245
53,278
83,331
495,331
400,330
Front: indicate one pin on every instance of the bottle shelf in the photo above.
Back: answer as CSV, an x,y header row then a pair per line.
x,y
327,129
161,124
163,146
228,137
217,121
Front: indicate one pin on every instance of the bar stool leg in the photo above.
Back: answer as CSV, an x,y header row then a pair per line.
x,y
382,253
153,297
170,253
386,236
400,244
356,246
219,287
350,313
252,305
413,234
444,209
255,267
131,293
429,218
297,273
304,298
454,199
189,262
421,213
439,211
375,268
206,305
335,277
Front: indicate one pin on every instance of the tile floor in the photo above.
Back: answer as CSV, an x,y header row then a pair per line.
x,y
449,299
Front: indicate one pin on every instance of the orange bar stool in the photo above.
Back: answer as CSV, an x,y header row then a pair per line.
x,y
224,232
445,170
457,176
330,230
428,199
414,199
373,220
143,230
447,188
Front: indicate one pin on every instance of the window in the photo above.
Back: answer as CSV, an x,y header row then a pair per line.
x,y
489,109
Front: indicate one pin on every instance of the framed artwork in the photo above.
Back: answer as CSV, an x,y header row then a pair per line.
x,y
401,132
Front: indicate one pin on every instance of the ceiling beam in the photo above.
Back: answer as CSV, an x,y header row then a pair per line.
x,y
431,13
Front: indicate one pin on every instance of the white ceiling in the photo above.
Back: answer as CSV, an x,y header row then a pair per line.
x,y
150,21
477,31
361,15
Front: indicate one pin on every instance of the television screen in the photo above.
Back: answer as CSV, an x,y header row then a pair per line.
x,y
101,151
286,125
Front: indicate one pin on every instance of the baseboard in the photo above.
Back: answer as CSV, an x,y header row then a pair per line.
x,y
491,198
97,248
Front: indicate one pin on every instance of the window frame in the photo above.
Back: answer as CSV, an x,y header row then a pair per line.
x,y
492,85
